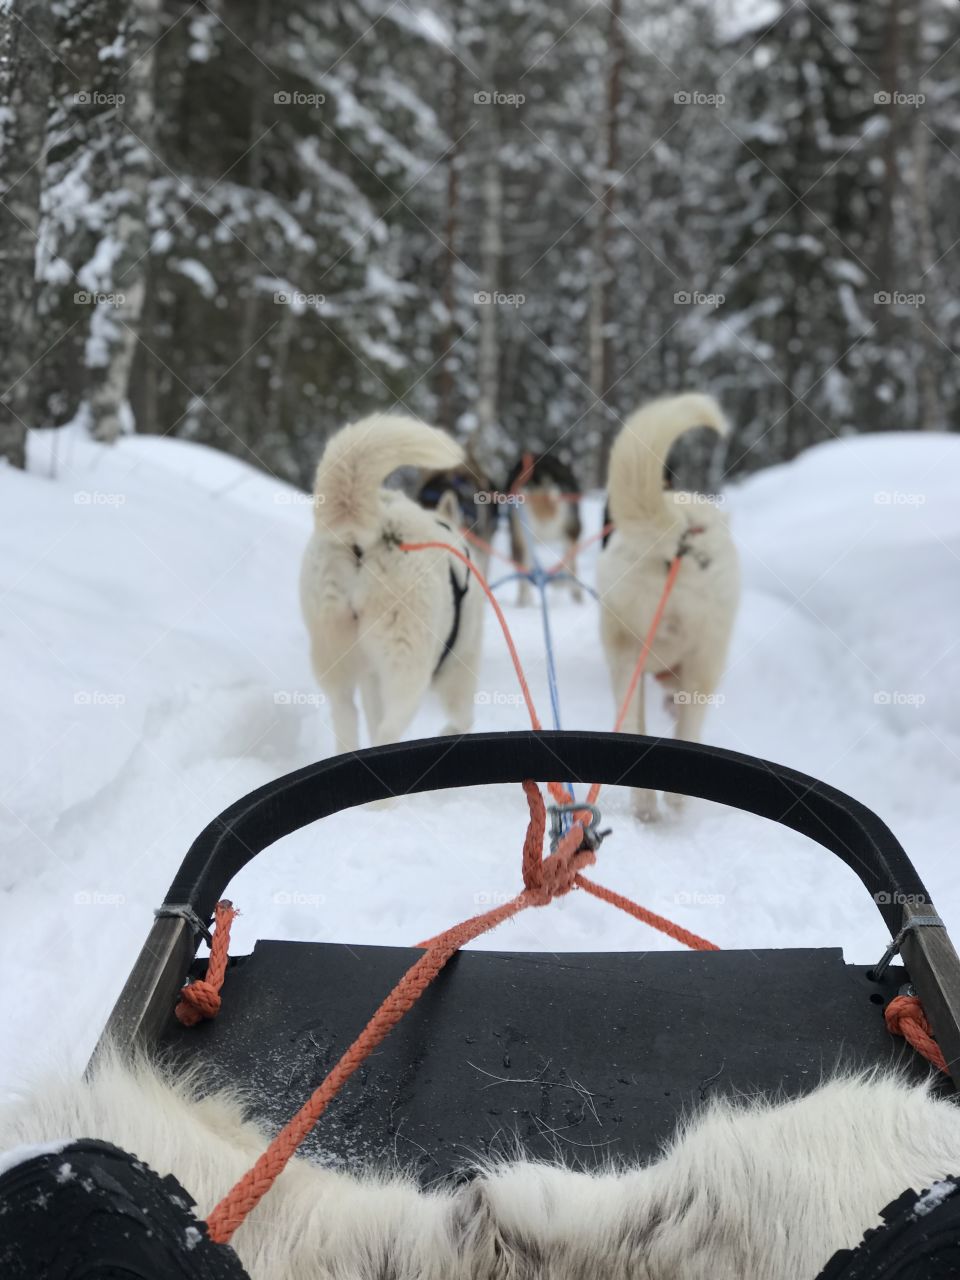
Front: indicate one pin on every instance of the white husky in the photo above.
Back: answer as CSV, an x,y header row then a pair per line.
x,y
745,1192
388,621
651,526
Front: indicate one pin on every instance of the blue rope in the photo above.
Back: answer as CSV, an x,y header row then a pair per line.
x,y
540,580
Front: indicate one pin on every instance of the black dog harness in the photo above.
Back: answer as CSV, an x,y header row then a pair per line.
x,y
458,596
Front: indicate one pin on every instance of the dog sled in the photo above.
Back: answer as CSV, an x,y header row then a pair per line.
x,y
647,1033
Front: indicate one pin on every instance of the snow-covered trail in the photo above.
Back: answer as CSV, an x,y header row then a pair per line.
x,y
156,669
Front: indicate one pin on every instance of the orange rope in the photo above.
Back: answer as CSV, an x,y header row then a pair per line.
x,y
554,568
201,999
582,546
543,878
905,1017
640,667
559,793
675,931
492,550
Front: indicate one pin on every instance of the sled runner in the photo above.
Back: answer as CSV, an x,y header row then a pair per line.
x,y
600,1051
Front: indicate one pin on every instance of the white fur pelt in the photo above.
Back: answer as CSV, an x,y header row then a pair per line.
x,y
745,1192
380,618
690,648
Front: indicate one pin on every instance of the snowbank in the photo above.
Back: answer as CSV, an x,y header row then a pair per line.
x,y
156,669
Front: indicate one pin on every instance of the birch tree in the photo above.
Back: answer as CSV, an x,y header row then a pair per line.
x,y
26,32
121,288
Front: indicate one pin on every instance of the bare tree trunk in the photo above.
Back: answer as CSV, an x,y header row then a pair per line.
x,y
488,376
26,32
887,255
930,414
250,409
115,324
600,376
446,398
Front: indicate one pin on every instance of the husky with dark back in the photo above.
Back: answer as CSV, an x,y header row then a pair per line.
x,y
388,622
543,501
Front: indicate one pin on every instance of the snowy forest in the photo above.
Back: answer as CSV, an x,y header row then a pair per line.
x,y
245,224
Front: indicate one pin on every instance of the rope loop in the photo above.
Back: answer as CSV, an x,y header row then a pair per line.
x,y
905,1016
201,999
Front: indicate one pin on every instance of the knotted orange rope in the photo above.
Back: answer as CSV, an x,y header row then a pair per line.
x,y
543,879
201,999
904,1016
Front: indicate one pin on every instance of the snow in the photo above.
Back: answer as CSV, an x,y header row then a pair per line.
x,y
32,1151
938,1194
156,670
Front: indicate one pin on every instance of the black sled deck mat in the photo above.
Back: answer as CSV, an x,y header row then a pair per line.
x,y
591,1057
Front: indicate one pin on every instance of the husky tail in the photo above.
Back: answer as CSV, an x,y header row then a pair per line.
x,y
359,458
639,453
